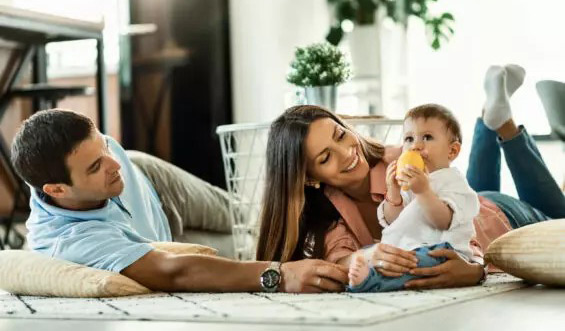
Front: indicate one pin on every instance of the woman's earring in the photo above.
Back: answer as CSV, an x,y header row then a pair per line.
x,y
313,184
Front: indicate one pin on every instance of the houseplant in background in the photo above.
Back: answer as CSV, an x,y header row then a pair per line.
x,y
364,23
319,68
363,13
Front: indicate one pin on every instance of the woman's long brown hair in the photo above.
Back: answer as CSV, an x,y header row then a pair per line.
x,y
291,210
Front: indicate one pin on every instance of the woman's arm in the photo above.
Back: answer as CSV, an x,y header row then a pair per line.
x,y
455,272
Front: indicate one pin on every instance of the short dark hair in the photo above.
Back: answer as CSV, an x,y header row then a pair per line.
x,y
432,110
43,142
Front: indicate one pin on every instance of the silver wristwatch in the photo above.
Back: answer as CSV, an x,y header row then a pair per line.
x,y
270,279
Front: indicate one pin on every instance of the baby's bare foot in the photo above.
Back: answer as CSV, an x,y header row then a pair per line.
x,y
358,270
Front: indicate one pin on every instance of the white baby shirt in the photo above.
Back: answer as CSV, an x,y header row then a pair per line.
x,y
412,230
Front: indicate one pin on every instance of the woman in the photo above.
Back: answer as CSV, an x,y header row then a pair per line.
x,y
325,180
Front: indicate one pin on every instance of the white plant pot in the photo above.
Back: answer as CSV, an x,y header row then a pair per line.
x,y
365,48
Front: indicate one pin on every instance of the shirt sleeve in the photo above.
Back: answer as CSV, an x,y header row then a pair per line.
x,y
339,242
99,245
463,201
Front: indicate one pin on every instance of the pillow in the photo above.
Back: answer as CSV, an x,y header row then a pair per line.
x,y
535,253
32,273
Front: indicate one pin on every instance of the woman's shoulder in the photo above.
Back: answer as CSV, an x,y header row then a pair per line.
x,y
392,152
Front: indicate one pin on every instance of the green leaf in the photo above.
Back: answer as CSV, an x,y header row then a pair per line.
x,y
335,35
447,16
435,44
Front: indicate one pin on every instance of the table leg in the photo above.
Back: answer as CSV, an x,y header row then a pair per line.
x,y
101,83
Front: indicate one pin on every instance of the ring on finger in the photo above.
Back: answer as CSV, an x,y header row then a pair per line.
x,y
319,281
380,264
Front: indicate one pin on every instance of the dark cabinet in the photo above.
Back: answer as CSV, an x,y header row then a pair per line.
x,y
175,85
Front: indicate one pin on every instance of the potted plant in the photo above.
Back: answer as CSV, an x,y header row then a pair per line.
x,y
319,68
361,20
364,13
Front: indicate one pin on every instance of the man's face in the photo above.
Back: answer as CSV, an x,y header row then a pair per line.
x,y
94,172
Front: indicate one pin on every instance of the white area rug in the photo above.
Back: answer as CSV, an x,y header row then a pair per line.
x,y
278,308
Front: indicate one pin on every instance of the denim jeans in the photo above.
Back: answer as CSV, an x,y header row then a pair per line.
x,y
376,282
540,196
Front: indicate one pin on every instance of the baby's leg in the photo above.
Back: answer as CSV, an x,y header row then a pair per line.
x,y
426,261
358,270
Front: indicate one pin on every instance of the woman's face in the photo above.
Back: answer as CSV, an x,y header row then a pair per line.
x,y
334,155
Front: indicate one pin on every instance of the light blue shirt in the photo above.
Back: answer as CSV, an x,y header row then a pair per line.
x,y
109,238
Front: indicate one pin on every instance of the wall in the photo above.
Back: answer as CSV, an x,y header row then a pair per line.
x,y
19,110
264,35
491,32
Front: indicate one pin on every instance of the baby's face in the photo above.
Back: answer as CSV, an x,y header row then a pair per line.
x,y
432,140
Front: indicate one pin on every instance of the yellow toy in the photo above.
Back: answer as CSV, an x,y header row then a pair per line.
x,y
412,158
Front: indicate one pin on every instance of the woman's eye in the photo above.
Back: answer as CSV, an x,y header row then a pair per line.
x,y
342,134
408,139
428,137
325,158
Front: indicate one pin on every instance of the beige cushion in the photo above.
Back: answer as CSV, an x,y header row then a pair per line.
x,y
31,273
535,253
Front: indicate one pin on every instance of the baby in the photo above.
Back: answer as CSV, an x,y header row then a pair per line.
x,y
436,212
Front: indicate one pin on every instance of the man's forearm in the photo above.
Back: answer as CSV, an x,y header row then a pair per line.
x,y
205,273
161,271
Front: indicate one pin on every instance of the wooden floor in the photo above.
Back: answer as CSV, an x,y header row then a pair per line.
x,y
535,308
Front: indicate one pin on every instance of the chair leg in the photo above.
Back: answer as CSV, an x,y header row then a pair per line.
x,y
12,237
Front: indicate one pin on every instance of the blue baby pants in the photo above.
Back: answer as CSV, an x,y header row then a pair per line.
x,y
376,282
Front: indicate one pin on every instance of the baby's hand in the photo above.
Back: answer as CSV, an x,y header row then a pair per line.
x,y
391,182
415,179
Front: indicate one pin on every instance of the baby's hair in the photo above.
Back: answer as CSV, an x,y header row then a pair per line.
x,y
432,110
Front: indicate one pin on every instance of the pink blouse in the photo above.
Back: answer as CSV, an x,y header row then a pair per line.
x,y
350,233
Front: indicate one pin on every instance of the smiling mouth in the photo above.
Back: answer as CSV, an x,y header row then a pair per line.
x,y
353,163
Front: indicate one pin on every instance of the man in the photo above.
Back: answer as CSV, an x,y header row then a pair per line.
x,y
91,205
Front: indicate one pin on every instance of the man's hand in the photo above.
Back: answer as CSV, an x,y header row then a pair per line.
x,y
313,276
454,272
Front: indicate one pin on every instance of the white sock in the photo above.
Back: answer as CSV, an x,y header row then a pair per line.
x,y
497,106
514,78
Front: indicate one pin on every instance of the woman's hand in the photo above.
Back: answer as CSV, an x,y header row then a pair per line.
x,y
415,179
391,261
454,272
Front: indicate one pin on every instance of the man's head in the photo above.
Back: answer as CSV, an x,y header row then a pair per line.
x,y
434,132
62,154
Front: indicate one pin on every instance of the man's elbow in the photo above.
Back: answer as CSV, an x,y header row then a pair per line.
x,y
156,270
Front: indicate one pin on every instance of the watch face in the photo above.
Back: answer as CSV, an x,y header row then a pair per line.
x,y
270,278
